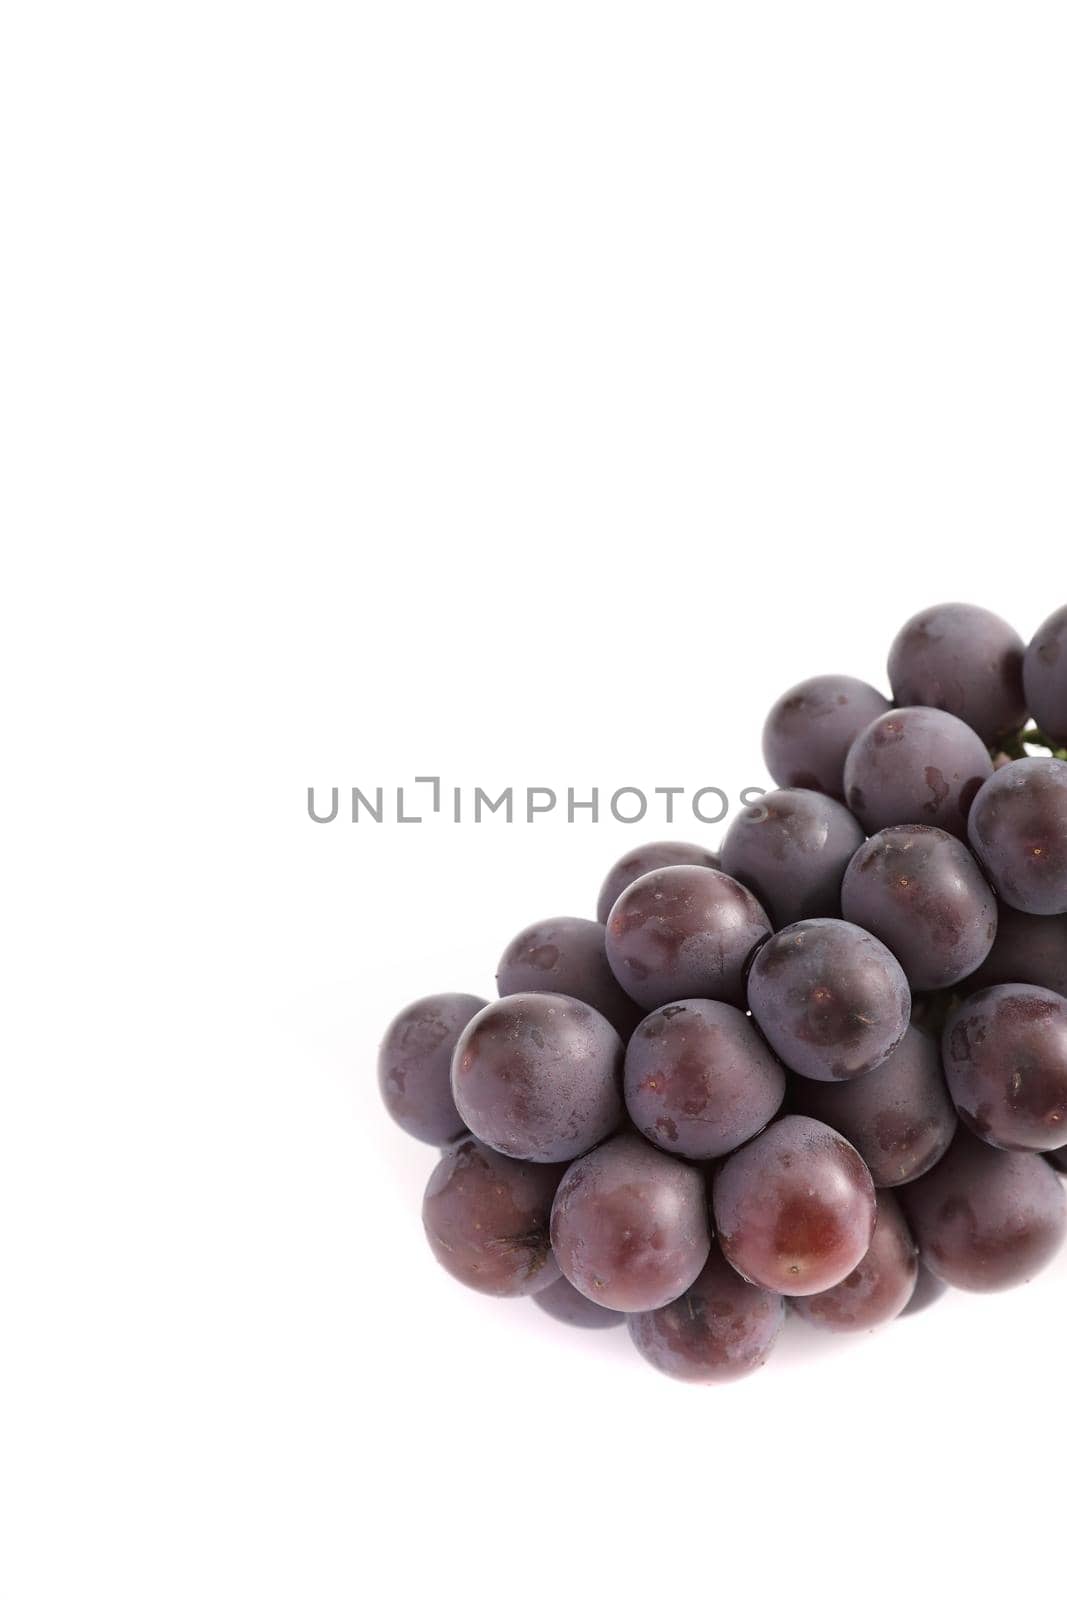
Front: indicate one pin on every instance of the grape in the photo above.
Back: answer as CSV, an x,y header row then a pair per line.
x,y
415,1064
537,1076
965,660
699,1080
916,765
795,1209
920,891
900,1118
721,1328
927,1290
1018,831
879,1288
648,858
1026,949
1045,676
566,956
1058,1158
829,998
562,1301
791,849
487,1219
630,1225
809,729
684,933
1005,1056
986,1219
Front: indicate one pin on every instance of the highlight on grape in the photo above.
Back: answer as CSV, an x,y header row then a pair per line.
x,y
825,1066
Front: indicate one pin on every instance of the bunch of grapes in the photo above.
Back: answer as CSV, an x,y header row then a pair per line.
x,y
826,1069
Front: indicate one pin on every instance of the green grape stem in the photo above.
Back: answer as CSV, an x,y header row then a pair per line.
x,y
1022,744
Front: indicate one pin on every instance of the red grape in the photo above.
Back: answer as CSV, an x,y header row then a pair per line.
x,y
1018,831
630,1225
563,1301
829,998
565,955
487,1219
962,659
900,1117
809,730
1027,949
1045,676
699,1080
986,1219
795,1209
415,1065
537,1076
648,858
920,891
791,849
1005,1056
721,1328
684,933
879,1288
916,765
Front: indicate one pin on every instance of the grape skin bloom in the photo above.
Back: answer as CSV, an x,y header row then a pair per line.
x,y
809,729
538,1077
415,1065
791,849
1005,1055
900,1117
986,1219
630,1225
721,1329
487,1219
699,1080
921,892
965,660
916,764
829,998
684,933
1018,831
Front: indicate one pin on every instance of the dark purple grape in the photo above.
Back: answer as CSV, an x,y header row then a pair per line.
x,y
829,998
1018,831
1005,1058
721,1328
1026,949
1045,676
795,1209
630,1225
563,1301
965,660
900,1118
684,933
565,955
809,729
699,1080
487,1219
791,849
916,765
879,1288
415,1065
649,858
921,892
986,1219
928,1289
538,1077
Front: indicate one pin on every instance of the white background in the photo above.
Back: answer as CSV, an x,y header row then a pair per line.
x,y
525,394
